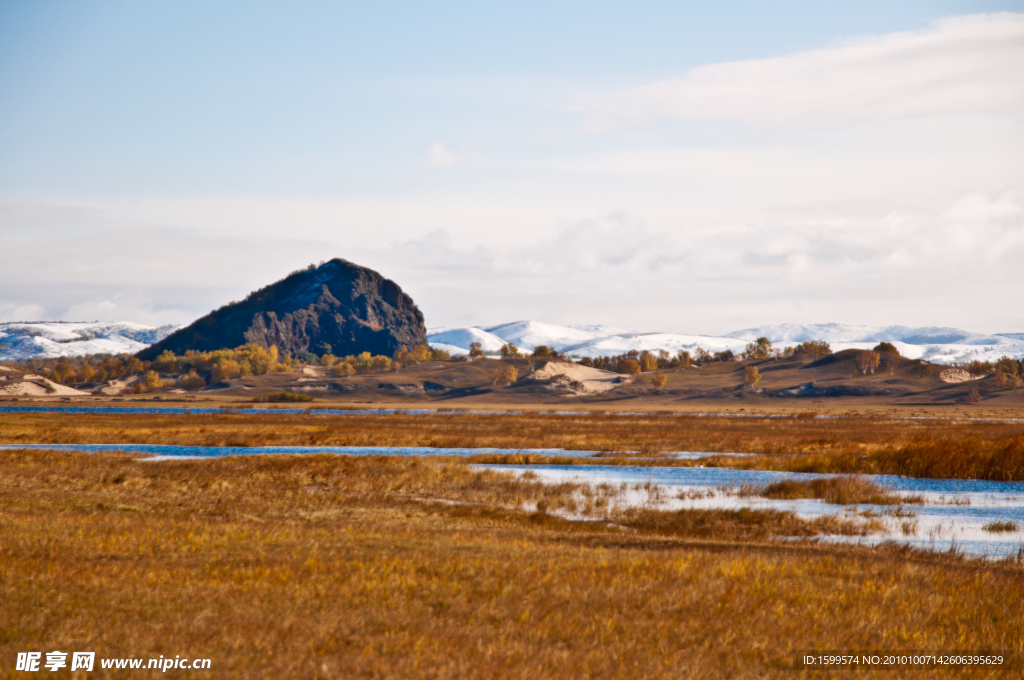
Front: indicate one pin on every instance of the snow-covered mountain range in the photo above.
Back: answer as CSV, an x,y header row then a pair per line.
x,y
938,345
20,341
31,340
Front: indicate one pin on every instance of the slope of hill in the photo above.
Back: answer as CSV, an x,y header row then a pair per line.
x,y
337,307
43,340
533,333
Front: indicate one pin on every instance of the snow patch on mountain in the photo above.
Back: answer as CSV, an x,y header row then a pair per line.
x,y
20,341
460,339
842,333
670,342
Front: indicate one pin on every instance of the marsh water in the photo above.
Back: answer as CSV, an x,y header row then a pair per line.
x,y
952,516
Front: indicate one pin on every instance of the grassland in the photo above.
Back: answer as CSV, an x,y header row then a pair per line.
x,y
332,566
851,444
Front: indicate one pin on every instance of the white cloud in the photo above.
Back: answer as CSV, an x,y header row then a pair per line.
x,y
957,65
954,266
441,156
10,311
958,266
858,223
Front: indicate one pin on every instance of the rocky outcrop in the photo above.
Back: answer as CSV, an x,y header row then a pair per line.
x,y
338,307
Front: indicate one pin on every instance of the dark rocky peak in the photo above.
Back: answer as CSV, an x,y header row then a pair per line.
x,y
339,307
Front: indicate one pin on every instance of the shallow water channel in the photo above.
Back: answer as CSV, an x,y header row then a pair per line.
x,y
953,514
172,451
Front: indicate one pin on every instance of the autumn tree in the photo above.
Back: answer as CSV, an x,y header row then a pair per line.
x,y
866,362
440,355
342,369
647,361
192,381
166,362
887,348
683,359
630,366
476,349
759,349
814,349
225,369
380,364
505,375
152,380
980,367
364,361
402,357
1008,366
541,352
659,379
508,351
751,375
64,372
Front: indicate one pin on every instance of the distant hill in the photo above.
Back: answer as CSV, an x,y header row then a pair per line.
x,y
838,332
338,307
938,345
20,341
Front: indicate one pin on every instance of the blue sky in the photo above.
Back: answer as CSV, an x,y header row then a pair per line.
x,y
691,167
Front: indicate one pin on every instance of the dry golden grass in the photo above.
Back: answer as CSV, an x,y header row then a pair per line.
x,y
932,448
331,566
845,490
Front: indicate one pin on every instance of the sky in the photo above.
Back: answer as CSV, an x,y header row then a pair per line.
x,y
660,166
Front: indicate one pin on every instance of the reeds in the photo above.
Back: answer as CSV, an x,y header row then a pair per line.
x,y
844,490
1001,526
333,566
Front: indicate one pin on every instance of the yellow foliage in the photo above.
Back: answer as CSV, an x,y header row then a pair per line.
x,y
505,375
342,369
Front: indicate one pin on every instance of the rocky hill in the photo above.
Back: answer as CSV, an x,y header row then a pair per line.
x,y
337,307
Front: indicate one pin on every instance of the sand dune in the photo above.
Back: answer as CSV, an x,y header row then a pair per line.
x,y
578,379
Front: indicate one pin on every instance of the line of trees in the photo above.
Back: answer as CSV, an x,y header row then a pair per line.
x,y
762,348
634,361
364,362
195,369
1007,365
1008,372
86,369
